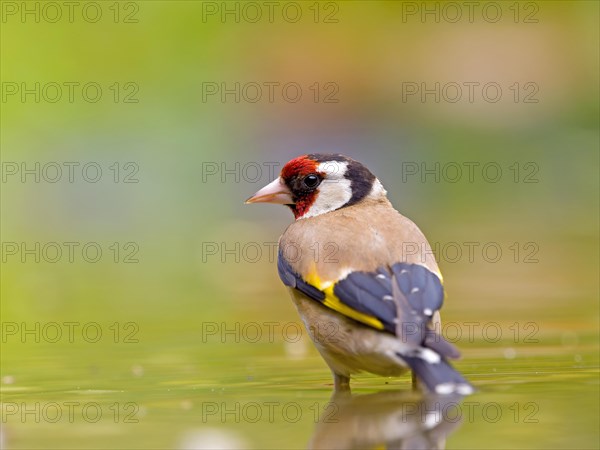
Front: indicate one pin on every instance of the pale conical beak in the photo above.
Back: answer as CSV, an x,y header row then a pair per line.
x,y
274,192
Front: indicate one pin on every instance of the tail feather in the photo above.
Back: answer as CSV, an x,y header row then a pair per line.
x,y
437,343
439,377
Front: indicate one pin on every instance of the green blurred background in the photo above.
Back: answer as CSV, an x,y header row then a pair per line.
x,y
174,134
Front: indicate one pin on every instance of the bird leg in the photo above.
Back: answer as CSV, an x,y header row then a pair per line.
x,y
415,382
341,383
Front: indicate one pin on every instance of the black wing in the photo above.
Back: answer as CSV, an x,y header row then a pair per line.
x,y
400,299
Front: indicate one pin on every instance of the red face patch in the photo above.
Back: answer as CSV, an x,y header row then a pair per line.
x,y
294,170
302,165
303,204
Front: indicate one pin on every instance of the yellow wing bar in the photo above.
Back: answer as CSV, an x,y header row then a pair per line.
x,y
333,302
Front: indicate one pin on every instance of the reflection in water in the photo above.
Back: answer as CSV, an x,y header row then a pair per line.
x,y
390,419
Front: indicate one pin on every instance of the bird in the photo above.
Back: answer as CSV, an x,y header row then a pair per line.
x,y
369,301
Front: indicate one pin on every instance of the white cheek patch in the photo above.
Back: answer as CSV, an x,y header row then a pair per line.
x,y
333,194
334,191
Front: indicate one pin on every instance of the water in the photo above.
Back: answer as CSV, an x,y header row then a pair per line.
x,y
182,393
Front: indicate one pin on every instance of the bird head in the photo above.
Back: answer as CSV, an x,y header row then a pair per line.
x,y
316,184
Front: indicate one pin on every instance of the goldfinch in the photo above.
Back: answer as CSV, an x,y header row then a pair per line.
x,y
368,303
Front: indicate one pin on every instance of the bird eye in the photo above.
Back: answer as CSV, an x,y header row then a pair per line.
x,y
311,181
